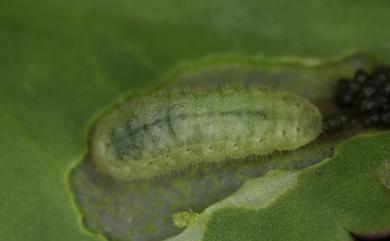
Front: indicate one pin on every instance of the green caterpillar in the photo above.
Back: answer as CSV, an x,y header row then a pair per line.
x,y
152,136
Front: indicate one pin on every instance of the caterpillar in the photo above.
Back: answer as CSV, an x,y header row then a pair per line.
x,y
155,135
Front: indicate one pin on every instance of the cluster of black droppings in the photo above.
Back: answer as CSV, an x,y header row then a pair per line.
x,y
368,95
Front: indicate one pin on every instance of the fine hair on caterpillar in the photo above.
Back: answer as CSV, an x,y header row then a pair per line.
x,y
167,132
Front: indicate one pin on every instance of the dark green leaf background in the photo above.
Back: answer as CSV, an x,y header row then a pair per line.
x,y
62,63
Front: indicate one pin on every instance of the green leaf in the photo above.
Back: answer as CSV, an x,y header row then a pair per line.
x,y
63,63
324,202
313,79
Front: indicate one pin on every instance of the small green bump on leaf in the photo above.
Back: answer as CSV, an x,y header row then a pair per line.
x,y
184,219
384,174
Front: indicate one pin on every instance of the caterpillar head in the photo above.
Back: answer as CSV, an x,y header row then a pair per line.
x,y
301,122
